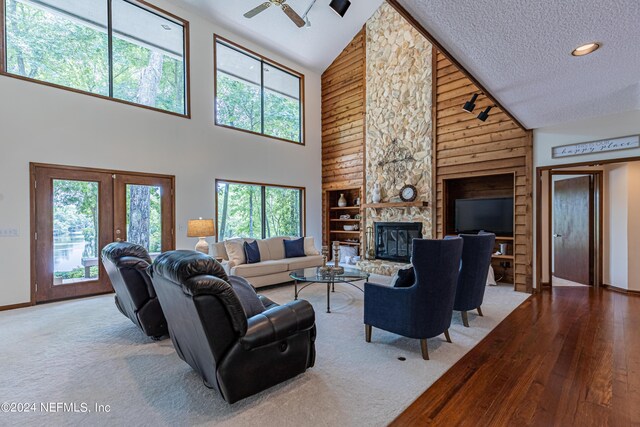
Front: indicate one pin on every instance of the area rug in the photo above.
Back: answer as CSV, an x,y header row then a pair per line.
x,y
84,353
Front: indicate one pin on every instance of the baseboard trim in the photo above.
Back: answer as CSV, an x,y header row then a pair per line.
x,y
14,306
620,290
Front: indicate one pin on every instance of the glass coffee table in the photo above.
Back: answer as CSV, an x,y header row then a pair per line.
x,y
310,276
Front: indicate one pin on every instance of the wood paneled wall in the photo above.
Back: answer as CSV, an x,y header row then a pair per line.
x,y
467,147
343,117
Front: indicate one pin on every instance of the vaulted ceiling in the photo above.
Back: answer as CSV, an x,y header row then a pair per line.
x,y
314,47
519,50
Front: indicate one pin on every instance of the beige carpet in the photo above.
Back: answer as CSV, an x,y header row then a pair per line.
x,y
85,351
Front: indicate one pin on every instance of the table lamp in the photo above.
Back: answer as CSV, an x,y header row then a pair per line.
x,y
201,228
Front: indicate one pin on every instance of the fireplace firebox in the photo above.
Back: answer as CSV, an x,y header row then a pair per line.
x,y
393,240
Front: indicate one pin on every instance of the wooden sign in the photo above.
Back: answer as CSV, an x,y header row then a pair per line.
x,y
594,147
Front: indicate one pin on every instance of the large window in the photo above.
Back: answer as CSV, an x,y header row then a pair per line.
x,y
121,49
258,211
256,95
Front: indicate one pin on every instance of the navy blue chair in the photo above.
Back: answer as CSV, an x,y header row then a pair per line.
x,y
472,281
423,310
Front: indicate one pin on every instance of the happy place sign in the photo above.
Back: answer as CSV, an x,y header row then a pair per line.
x,y
594,147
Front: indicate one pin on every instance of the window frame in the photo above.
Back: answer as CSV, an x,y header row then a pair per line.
x,y
140,3
263,186
263,60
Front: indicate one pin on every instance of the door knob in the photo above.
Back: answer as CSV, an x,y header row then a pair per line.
x,y
557,235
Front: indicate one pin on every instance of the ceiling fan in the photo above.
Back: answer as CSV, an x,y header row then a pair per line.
x,y
285,8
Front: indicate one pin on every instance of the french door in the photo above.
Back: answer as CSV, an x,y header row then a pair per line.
x,y
77,211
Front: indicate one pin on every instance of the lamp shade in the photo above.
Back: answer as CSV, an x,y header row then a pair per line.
x,y
340,6
201,228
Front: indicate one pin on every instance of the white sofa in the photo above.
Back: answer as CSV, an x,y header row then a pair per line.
x,y
273,267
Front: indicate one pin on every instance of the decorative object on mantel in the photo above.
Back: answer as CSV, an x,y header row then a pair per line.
x,y
342,202
408,193
201,228
376,196
594,147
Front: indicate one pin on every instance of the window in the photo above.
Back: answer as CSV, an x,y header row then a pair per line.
x,y
257,95
120,49
258,211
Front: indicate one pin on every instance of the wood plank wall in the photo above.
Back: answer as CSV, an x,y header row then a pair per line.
x,y
343,121
468,147
343,117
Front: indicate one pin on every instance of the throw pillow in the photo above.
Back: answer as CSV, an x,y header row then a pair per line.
x,y
294,248
310,247
252,252
404,278
247,296
235,251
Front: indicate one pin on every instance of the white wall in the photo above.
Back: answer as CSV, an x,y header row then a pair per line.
x,y
633,226
544,139
48,125
616,244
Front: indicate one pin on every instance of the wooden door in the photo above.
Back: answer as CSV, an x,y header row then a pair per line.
x,y
143,211
78,211
73,222
573,229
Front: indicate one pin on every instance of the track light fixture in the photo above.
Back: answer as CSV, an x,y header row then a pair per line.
x,y
484,115
340,6
471,104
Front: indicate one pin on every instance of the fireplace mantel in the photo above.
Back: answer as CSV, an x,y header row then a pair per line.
x,y
396,205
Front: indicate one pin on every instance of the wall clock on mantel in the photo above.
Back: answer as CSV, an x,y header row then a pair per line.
x,y
408,193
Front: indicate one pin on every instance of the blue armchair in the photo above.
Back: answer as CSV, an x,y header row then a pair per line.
x,y
476,259
423,310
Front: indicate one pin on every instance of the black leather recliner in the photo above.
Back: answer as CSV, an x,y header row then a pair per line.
x,y
126,264
210,330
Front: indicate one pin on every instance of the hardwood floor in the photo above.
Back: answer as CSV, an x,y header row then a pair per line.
x,y
567,357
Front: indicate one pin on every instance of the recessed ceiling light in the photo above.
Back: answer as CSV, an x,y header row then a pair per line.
x,y
585,49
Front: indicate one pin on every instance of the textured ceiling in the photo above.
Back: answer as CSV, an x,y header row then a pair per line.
x,y
315,47
521,52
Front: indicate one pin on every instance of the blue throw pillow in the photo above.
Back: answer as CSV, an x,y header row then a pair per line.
x,y
252,252
294,248
406,277
247,296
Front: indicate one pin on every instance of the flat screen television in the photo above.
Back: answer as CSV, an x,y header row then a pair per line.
x,y
493,215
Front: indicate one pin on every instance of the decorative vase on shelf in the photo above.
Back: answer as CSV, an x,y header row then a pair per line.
x,y
342,202
375,194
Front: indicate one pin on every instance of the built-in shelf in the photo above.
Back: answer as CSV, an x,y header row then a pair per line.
x,y
396,205
504,238
509,257
345,208
344,232
346,220
350,243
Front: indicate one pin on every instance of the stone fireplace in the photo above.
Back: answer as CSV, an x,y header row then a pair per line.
x,y
398,145
393,240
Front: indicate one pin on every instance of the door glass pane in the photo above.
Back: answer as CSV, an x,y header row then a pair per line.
x,y
283,212
75,231
144,217
61,42
238,97
281,104
239,211
148,58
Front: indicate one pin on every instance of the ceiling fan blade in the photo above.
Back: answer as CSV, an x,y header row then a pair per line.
x,y
293,16
253,12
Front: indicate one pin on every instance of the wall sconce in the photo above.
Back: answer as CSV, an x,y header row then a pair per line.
x,y
484,115
470,105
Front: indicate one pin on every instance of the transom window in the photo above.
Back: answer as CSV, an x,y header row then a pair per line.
x,y
257,95
258,211
121,49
